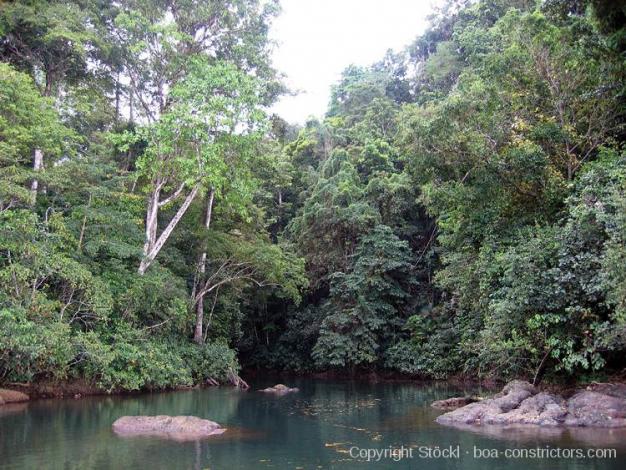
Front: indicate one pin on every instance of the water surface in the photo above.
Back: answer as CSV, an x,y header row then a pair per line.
x,y
313,429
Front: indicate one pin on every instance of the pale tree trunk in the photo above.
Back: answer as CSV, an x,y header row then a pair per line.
x,y
131,114
153,245
152,220
208,323
83,226
117,99
37,167
38,153
198,337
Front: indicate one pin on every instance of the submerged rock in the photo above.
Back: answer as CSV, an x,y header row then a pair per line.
x,y
173,427
519,403
279,389
12,396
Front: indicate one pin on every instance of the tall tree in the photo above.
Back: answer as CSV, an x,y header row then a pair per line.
x,y
53,41
198,71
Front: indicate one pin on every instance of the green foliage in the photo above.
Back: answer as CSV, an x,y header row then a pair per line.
x,y
212,360
156,298
128,359
365,305
490,149
29,351
74,77
461,208
53,41
27,121
501,160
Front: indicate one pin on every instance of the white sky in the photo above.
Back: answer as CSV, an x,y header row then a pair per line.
x,y
317,39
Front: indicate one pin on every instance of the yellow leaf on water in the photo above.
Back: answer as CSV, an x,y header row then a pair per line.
x,y
334,444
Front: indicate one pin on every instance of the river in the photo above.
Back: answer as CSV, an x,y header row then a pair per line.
x,y
327,425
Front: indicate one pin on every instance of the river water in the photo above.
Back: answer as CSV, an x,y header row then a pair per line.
x,y
327,425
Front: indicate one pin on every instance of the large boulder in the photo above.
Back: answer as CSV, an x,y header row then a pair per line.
x,y
12,396
490,409
279,389
519,403
171,427
543,409
592,409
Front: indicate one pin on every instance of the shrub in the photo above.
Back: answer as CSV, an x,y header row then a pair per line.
x,y
29,350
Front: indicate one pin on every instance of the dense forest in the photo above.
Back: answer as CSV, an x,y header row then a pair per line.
x,y
459,210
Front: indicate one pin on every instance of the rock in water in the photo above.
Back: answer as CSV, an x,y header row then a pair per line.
x,y
279,389
171,427
519,403
594,409
12,396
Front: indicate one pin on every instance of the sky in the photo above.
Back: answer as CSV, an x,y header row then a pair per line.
x,y
317,39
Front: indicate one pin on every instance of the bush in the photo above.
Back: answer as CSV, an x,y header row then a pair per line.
x,y
31,351
431,351
212,360
131,360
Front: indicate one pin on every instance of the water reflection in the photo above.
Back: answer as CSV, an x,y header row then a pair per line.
x,y
573,436
12,408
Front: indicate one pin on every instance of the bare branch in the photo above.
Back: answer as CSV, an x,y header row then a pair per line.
x,y
173,196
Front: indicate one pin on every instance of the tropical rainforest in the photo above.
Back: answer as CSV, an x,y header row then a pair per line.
x,y
460,210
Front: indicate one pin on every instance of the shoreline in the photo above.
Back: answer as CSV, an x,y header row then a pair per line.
x,y
78,388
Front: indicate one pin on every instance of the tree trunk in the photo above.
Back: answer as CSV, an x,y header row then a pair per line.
x,y
37,166
83,226
198,337
117,99
541,368
152,220
153,245
208,323
131,113
38,154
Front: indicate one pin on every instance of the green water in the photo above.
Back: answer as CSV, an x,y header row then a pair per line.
x,y
313,429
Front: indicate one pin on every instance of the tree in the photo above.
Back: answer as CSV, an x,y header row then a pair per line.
x,y
51,41
28,122
332,220
366,305
72,301
237,261
495,156
187,148
195,85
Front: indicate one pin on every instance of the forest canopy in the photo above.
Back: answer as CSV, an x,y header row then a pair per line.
x,y
460,209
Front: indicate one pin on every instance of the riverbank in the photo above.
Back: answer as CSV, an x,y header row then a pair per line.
x,y
562,386
79,388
